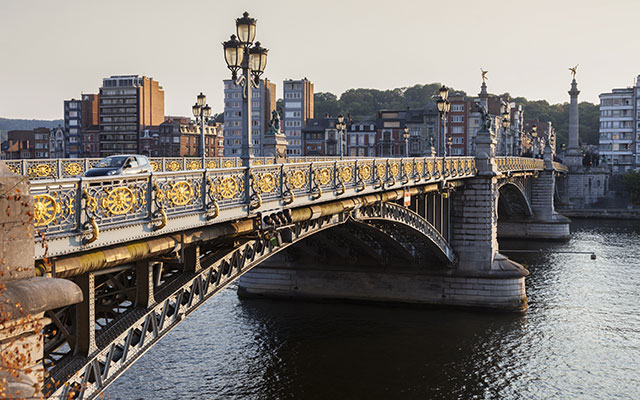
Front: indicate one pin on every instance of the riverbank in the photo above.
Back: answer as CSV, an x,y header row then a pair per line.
x,y
601,213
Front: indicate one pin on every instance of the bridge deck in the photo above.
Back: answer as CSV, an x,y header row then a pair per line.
x,y
77,214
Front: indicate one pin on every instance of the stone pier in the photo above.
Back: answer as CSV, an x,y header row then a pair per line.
x,y
545,223
24,298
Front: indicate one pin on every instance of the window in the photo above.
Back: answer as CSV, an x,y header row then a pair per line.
x,y
457,129
292,104
176,139
457,107
457,118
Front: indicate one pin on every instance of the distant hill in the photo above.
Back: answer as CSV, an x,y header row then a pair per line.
x,y
26,124
7,124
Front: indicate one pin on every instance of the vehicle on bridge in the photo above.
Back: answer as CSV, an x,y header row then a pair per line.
x,y
121,165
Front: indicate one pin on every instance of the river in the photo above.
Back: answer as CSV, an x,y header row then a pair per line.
x,y
579,339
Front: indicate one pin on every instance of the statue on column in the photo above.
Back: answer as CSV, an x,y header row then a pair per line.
x,y
274,124
574,70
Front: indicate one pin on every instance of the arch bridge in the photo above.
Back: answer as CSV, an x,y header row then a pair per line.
x,y
143,252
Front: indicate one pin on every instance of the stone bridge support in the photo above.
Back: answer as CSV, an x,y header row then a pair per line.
x,y
545,223
482,277
24,298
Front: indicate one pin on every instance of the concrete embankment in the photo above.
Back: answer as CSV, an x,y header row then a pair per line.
x,y
601,213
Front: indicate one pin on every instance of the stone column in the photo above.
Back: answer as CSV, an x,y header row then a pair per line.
x,y
24,298
482,276
573,157
275,145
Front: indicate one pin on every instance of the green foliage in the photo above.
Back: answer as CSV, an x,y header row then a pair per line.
x,y
364,103
27,124
631,182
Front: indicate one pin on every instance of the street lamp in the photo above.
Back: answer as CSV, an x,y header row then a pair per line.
x,y
405,135
340,127
241,54
443,108
506,122
201,112
534,137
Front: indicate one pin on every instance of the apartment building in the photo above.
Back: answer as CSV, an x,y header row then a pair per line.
x,y
263,102
619,143
128,104
298,108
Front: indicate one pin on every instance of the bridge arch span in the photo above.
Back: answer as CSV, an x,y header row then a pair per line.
x,y
513,201
119,345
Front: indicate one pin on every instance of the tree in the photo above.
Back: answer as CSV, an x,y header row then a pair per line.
x,y
631,181
326,103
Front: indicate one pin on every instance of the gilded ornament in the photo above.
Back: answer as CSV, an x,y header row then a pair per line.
x,y
381,170
258,162
14,168
419,166
119,201
297,179
180,194
45,209
191,165
155,165
364,171
212,164
73,169
173,166
40,170
346,174
227,188
266,183
228,164
408,168
394,169
323,175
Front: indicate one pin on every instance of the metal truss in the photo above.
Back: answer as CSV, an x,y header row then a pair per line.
x,y
384,213
121,343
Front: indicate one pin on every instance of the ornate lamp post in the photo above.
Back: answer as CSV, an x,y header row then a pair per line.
x,y
443,109
534,138
449,143
506,122
405,135
241,54
201,112
340,127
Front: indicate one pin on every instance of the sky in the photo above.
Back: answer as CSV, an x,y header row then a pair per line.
x,y
55,50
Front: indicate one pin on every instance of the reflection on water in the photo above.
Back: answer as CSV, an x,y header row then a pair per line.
x,y
580,339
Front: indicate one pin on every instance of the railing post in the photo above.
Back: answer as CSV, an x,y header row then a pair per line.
x,y
86,316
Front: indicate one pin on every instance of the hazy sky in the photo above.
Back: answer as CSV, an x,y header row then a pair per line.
x,y
55,50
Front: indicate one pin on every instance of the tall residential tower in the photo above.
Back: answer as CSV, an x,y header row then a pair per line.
x,y
298,108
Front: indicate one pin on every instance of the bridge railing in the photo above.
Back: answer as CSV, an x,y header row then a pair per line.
x,y
80,209
514,164
74,167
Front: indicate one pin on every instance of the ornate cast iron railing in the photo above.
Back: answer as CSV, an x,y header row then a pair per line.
x,y
75,167
76,214
515,164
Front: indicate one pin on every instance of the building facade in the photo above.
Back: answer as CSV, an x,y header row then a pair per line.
x,y
263,103
128,103
298,108
72,128
180,137
361,139
619,143
57,143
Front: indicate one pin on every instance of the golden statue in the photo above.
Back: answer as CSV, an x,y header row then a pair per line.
x,y
574,70
484,75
